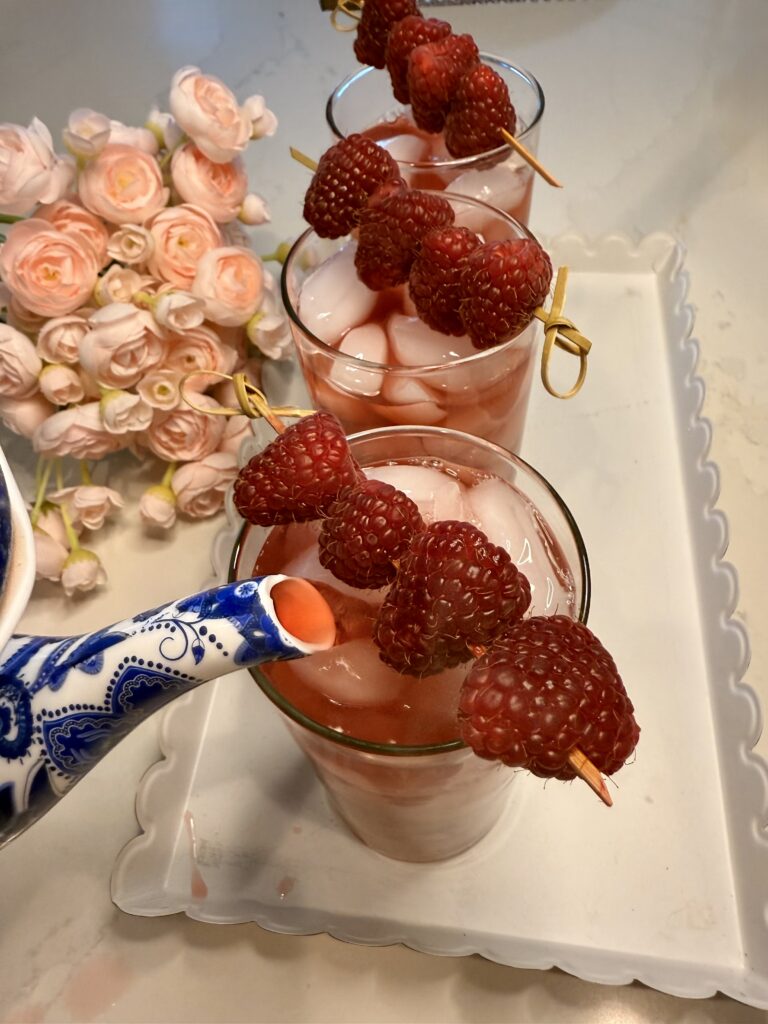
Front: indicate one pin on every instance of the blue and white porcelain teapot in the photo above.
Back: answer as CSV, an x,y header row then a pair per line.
x,y
65,702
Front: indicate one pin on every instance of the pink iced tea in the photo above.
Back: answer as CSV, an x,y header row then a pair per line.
x,y
364,103
367,357
386,745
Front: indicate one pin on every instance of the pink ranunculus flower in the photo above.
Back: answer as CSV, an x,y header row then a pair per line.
x,y
200,486
23,319
82,572
73,219
88,505
77,431
25,415
61,384
49,272
210,114
219,189
59,339
164,128
123,185
123,344
178,311
254,211
20,365
200,349
157,507
123,412
87,133
238,428
182,235
50,520
230,281
118,284
50,553
29,169
269,329
131,244
138,138
263,121
159,389
185,434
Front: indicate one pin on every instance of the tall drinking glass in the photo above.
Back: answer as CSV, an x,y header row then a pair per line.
x,y
386,747
367,358
364,103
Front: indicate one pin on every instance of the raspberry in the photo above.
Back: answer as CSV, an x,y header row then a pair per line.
x,y
453,588
347,174
368,528
391,229
297,476
501,284
481,107
404,36
373,28
434,73
547,686
433,283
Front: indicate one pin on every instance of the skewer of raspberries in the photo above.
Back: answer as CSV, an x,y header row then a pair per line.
x,y
458,283
543,693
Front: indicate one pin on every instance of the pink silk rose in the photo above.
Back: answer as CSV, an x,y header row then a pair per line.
x,y
138,138
130,244
123,412
49,272
82,572
50,554
123,343
77,431
30,172
210,114
61,384
219,189
118,284
200,486
184,434
72,219
88,505
20,365
200,348
157,507
160,389
263,121
238,428
123,185
178,311
59,339
182,236
24,415
87,133
230,281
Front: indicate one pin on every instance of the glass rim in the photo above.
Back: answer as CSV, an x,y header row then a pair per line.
x,y
418,750
397,368
451,162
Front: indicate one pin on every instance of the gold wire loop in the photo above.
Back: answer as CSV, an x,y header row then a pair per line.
x,y
562,332
352,9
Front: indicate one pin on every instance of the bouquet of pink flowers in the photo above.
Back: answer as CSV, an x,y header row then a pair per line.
x,y
124,269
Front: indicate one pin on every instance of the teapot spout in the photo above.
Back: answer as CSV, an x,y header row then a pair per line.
x,y
65,702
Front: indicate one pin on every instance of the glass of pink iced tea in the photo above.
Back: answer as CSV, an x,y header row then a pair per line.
x,y
367,357
364,103
386,746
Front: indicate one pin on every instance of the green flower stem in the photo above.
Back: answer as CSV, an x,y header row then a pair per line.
x,y
42,486
85,474
8,218
72,539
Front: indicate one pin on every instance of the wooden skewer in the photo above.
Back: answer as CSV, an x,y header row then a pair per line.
x,y
302,158
529,158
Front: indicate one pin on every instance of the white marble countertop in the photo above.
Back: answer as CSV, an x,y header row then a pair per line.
x,y
655,120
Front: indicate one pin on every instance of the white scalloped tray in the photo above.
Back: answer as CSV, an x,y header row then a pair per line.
x,y
670,887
